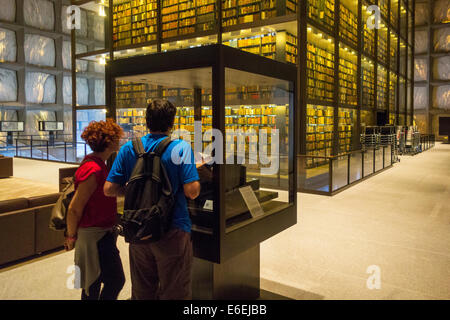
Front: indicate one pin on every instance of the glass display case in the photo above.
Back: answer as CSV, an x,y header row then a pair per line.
x,y
238,111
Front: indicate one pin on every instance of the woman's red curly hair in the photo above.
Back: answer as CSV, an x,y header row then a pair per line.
x,y
100,134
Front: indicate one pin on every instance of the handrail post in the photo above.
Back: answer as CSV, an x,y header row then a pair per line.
x,y
85,150
348,169
47,149
31,148
17,147
65,151
330,172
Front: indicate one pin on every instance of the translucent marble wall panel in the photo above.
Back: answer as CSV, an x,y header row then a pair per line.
x,y
67,55
441,97
420,97
82,92
420,69
83,31
8,85
100,92
8,11
441,12
67,90
8,115
39,50
441,68
39,14
96,25
32,121
64,20
67,121
422,14
421,42
8,45
40,87
441,40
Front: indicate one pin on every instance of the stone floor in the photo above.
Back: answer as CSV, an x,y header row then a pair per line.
x,y
397,222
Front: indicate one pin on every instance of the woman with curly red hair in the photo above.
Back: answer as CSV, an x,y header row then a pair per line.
x,y
92,216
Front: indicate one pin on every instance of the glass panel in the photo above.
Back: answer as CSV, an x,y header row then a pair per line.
x,y
368,83
402,95
387,156
410,28
257,113
367,119
393,52
346,129
348,79
369,34
403,21
91,81
320,66
410,64
382,84
348,29
132,96
340,172
8,45
392,92
378,159
403,57
394,13
83,119
314,174
135,22
94,16
382,42
383,4
277,45
322,11
356,166
319,133
368,162
420,70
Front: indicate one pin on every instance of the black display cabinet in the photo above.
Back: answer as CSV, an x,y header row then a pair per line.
x,y
244,174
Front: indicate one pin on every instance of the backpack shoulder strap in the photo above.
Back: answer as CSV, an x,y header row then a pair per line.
x,y
162,146
138,146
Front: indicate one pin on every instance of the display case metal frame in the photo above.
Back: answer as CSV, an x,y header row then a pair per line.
x,y
224,245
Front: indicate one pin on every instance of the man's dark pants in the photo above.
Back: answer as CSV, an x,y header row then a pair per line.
x,y
162,270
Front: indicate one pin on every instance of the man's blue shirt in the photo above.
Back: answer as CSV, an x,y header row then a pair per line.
x,y
180,171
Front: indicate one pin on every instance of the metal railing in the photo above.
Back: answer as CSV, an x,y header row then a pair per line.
x,y
427,141
333,174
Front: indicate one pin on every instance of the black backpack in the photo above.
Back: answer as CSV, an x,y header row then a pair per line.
x,y
149,200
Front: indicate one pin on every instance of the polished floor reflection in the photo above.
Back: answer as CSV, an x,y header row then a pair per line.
x,y
398,220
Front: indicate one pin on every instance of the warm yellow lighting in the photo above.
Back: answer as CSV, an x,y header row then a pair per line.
x,y
320,35
101,11
102,61
309,29
329,40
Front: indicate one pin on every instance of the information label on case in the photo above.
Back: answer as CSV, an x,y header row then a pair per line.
x,y
251,201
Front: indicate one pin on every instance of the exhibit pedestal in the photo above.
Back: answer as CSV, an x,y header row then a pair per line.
x,y
237,278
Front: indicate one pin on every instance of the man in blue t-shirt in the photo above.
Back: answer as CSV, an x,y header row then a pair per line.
x,y
162,269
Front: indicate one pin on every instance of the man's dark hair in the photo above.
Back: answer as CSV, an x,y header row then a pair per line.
x,y
160,115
